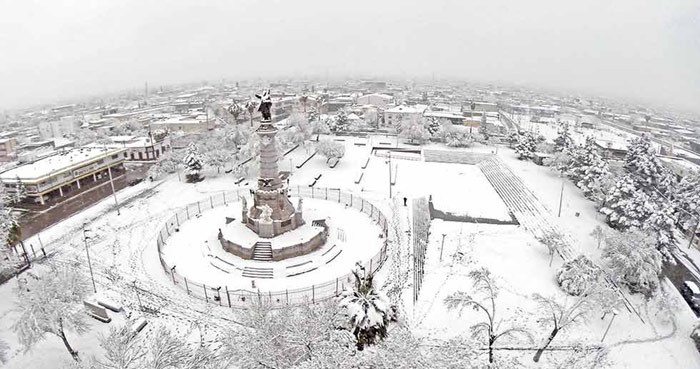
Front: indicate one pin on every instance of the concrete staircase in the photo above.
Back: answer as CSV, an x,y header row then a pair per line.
x,y
258,273
262,251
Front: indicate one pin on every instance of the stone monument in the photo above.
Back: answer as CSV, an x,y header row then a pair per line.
x,y
271,213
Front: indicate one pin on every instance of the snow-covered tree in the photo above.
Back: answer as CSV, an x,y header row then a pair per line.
x,y
560,316
434,126
525,148
162,349
250,106
168,163
634,260
194,162
563,141
646,168
414,130
687,201
662,225
339,123
484,302
598,234
554,241
513,138
298,131
330,149
322,125
235,110
369,310
456,136
371,116
578,275
52,304
4,348
626,206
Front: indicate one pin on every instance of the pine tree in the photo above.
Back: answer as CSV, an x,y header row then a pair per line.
x,y
647,170
434,126
563,141
525,148
340,123
687,201
626,206
194,162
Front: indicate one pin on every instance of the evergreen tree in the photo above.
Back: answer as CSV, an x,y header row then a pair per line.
x,y
525,148
687,201
194,162
626,206
646,168
563,141
340,123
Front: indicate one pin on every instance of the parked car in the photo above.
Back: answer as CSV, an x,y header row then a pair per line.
x,y
691,294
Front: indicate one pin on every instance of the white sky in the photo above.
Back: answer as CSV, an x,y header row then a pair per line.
x,y
639,49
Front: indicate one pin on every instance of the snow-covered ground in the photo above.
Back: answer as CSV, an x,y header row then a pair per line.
x,y
352,237
123,251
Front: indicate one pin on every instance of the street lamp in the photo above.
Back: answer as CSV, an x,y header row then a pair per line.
x,y
92,276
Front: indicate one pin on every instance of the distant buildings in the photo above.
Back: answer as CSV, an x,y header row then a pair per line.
x,y
65,173
8,149
184,125
58,128
379,100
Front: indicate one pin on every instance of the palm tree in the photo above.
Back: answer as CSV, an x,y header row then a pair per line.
x,y
251,106
484,285
368,309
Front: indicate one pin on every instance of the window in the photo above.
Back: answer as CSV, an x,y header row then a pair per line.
x,y
126,155
140,156
286,223
115,156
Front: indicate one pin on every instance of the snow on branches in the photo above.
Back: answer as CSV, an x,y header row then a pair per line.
x,y
578,275
634,260
526,146
194,162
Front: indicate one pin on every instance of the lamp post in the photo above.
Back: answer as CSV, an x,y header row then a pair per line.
x,y
111,183
389,161
92,276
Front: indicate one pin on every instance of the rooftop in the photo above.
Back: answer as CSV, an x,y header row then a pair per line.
x,y
56,163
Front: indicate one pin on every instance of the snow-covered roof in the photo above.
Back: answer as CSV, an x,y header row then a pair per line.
x,y
416,109
57,163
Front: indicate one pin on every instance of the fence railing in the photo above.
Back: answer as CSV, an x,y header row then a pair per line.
x,y
242,298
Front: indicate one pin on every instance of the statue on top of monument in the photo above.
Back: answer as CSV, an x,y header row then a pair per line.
x,y
265,213
265,104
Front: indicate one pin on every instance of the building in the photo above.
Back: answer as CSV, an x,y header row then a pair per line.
x,y
8,148
65,173
611,149
394,116
183,125
378,100
58,128
142,149
451,116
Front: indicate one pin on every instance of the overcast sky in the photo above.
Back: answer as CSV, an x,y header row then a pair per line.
x,y
648,50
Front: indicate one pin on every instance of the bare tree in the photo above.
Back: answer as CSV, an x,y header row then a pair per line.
x,y
598,234
560,316
122,349
554,241
52,305
484,285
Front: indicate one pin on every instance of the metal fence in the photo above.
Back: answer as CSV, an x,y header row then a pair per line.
x,y
241,298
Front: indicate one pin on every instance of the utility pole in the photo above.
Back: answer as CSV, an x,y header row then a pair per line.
x,y
111,183
561,197
442,244
389,161
92,276
136,289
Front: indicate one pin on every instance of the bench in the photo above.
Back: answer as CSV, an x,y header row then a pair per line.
x,y
336,255
138,325
302,272
327,251
298,265
364,166
359,177
305,161
334,162
239,180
